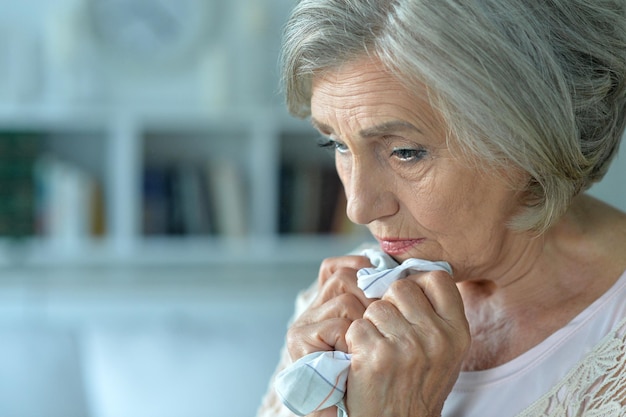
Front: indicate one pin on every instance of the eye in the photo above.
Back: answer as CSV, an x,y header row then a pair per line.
x,y
333,145
409,154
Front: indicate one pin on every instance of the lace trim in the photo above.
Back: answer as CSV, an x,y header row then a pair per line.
x,y
596,387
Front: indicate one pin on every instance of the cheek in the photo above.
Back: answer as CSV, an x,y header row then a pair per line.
x,y
476,213
462,231
451,204
434,209
344,169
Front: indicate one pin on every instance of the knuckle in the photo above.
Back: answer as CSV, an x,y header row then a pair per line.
x,y
402,289
379,309
345,299
340,280
357,328
401,286
332,265
358,325
328,268
327,265
347,305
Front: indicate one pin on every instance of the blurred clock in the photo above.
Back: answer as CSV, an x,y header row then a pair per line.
x,y
150,32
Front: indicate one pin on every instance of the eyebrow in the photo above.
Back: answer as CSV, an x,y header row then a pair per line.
x,y
387,128
381,129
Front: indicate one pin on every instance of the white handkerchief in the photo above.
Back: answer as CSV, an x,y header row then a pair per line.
x,y
314,382
318,380
375,281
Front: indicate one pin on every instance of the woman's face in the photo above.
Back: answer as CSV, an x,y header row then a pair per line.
x,y
400,178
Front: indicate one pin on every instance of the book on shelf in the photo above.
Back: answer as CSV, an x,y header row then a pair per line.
x,y
69,201
301,187
229,197
311,200
174,201
191,192
156,196
18,155
187,199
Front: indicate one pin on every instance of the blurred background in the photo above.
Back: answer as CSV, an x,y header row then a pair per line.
x,y
159,210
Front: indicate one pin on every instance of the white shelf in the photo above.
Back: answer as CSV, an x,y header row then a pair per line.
x,y
175,251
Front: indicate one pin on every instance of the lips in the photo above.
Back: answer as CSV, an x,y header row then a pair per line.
x,y
395,247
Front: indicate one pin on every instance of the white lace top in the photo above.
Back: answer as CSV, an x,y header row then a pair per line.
x,y
578,371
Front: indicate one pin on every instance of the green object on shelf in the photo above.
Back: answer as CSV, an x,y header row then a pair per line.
x,y
18,153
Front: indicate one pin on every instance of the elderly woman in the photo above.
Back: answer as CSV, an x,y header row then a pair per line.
x,y
468,132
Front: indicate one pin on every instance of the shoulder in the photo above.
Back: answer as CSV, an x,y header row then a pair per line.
x,y
595,386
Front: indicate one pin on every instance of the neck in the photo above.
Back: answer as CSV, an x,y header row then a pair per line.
x,y
550,280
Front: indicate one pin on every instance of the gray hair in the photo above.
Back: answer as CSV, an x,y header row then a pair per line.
x,y
539,85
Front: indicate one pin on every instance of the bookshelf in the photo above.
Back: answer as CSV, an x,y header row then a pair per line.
x,y
170,160
235,159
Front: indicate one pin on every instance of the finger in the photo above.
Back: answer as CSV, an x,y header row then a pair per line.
x,y
439,289
361,336
315,337
409,301
330,265
388,320
346,305
342,281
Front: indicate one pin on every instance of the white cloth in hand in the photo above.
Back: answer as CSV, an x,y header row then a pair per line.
x,y
318,380
375,281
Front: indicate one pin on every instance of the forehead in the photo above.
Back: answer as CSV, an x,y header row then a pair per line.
x,y
363,90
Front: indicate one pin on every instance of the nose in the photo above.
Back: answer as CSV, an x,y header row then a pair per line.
x,y
369,193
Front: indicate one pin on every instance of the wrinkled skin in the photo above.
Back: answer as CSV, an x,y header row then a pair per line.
x,y
404,340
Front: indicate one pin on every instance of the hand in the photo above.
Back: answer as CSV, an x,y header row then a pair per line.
x,y
324,324
407,349
339,302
